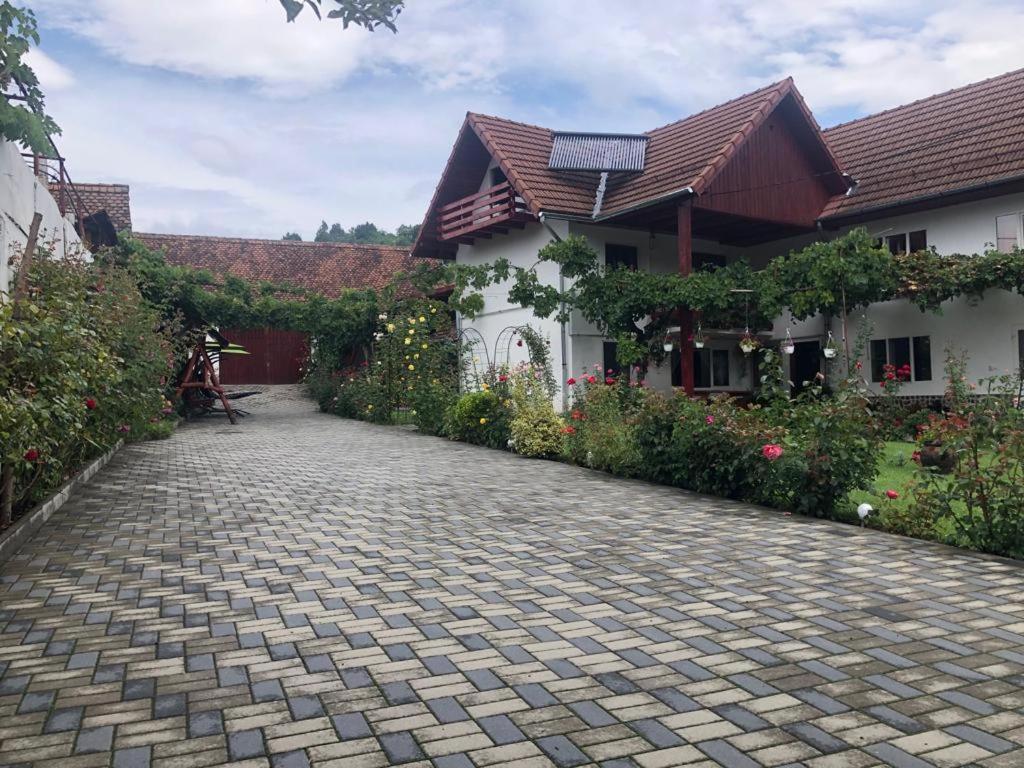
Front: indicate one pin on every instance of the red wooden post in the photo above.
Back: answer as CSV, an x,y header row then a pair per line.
x,y
684,236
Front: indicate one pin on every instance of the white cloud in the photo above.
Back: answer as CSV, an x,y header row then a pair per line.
x,y
52,76
228,119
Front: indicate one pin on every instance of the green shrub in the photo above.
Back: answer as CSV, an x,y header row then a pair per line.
x,y
981,502
84,362
536,430
481,418
600,432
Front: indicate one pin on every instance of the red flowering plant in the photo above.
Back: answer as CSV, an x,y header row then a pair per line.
x,y
980,502
82,352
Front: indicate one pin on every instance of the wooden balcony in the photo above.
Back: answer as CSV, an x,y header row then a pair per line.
x,y
493,211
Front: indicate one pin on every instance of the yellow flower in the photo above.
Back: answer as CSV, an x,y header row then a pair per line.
x,y
412,367
433,310
412,321
486,386
411,331
369,407
423,345
423,319
413,411
483,420
415,357
391,327
408,340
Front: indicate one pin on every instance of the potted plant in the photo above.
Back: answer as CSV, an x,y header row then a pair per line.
x,y
698,338
831,350
788,347
748,343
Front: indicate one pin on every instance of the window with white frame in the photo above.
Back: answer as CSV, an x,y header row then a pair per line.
x,y
902,352
1007,232
904,242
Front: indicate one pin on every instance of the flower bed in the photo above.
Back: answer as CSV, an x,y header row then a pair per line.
x,y
83,363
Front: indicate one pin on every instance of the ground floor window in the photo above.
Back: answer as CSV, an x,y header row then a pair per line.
x,y
913,351
710,368
611,360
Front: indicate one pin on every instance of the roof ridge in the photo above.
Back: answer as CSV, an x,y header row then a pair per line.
x,y
276,241
508,120
932,97
768,87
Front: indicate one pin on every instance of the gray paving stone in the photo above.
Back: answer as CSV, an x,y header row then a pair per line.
x,y
274,565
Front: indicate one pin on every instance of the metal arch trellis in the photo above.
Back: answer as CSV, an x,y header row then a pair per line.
x,y
476,343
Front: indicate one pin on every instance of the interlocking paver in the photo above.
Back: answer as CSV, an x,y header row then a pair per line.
x,y
300,589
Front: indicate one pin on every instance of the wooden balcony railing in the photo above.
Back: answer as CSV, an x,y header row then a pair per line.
x,y
494,210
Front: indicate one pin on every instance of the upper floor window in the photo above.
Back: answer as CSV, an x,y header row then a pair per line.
x,y
906,242
620,256
1006,232
708,262
497,176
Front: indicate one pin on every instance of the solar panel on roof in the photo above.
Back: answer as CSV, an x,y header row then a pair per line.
x,y
597,152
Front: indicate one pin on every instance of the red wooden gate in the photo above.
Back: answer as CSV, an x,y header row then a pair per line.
x,y
275,357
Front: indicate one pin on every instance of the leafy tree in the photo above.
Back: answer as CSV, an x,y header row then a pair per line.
x,y
368,14
23,117
292,236
366,233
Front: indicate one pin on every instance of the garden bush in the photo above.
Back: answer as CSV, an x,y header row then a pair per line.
x,y
411,373
481,418
600,426
536,430
981,502
84,361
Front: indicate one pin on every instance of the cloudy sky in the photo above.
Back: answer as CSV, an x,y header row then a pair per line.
x,y
225,120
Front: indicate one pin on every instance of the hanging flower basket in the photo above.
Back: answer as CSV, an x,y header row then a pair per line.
x,y
748,344
698,338
788,347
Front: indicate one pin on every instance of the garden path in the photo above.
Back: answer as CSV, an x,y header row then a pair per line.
x,y
302,589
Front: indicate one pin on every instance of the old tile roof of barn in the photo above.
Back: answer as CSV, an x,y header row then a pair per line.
x,y
324,268
957,140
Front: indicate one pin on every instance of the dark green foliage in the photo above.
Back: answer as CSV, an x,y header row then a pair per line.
x,y
84,361
480,418
368,14
366,233
24,119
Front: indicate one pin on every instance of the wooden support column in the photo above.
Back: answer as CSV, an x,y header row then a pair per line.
x,y
684,237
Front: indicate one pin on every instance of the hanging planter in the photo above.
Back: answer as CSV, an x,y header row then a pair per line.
x,y
788,347
698,338
668,346
749,344
831,350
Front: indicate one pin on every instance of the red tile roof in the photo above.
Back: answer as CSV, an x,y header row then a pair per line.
x,y
686,153
112,198
325,268
956,140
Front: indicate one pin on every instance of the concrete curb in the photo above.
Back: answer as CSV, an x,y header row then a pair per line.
x,y
13,538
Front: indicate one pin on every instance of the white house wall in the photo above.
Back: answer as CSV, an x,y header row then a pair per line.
x,y
520,247
21,196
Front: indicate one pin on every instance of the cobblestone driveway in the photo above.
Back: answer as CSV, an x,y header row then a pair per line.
x,y
305,590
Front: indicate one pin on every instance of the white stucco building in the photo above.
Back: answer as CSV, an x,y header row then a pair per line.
x,y
752,179
22,194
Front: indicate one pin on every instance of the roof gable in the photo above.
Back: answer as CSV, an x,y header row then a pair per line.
x,y
957,140
681,157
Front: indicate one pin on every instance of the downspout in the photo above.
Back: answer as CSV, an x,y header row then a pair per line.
x,y
563,338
